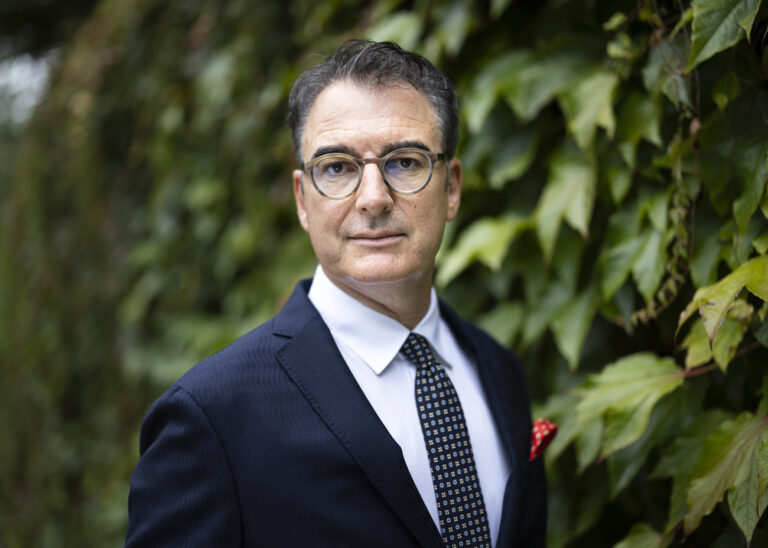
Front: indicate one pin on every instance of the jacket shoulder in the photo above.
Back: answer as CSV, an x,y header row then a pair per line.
x,y
253,350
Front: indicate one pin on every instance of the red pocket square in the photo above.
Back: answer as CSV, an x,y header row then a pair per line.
x,y
542,435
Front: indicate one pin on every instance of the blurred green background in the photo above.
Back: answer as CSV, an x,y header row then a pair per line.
x,y
615,162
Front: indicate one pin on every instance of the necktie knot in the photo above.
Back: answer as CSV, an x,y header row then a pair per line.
x,y
416,349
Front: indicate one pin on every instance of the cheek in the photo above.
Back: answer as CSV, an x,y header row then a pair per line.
x,y
430,224
324,218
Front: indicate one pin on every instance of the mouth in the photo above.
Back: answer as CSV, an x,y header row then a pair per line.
x,y
377,238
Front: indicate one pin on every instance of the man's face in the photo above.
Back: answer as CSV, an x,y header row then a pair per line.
x,y
375,235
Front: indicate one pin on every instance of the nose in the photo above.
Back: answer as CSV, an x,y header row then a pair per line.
x,y
373,197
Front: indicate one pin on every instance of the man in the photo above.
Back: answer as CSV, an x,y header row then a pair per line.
x,y
366,413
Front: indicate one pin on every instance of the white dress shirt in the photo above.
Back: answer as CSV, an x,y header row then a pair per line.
x,y
370,343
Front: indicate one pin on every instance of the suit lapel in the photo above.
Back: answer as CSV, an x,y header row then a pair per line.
x,y
312,360
498,386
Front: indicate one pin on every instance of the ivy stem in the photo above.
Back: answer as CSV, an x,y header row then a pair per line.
x,y
699,371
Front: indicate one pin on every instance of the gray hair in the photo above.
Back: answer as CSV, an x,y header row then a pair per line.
x,y
376,65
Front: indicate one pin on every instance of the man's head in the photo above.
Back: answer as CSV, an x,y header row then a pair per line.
x,y
375,65
376,182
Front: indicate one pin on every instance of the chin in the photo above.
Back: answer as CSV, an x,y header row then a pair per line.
x,y
382,276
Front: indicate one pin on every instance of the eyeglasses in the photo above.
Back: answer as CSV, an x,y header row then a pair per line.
x,y
405,170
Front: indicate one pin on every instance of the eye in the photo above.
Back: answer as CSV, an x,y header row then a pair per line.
x,y
406,163
335,167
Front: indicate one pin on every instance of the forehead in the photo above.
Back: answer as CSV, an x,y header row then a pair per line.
x,y
366,119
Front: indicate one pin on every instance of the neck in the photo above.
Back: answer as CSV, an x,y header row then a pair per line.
x,y
405,301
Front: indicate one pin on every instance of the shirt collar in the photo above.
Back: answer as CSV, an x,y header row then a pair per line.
x,y
373,336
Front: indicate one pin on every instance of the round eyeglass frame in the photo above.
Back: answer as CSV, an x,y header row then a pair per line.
x,y
380,162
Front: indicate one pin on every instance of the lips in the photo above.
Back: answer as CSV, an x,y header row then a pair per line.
x,y
377,237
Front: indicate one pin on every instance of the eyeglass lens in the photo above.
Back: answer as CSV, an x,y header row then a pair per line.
x,y
404,170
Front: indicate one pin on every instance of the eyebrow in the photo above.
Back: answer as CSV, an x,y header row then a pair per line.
x,y
334,149
344,149
403,144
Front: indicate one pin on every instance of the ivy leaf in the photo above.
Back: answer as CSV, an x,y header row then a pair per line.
x,y
402,27
566,261
665,71
545,307
569,194
587,105
643,535
619,179
715,166
761,243
571,325
638,119
650,264
696,344
762,409
622,48
513,158
588,442
616,20
624,393
677,89
749,166
552,69
714,301
586,435
727,341
656,207
454,22
725,460
616,263
718,25
578,213
707,252
623,465
762,467
679,459
741,310
726,89
644,255
488,84
486,240
504,322
747,501
723,348
685,18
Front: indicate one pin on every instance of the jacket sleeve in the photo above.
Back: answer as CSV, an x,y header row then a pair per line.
x,y
182,492
533,507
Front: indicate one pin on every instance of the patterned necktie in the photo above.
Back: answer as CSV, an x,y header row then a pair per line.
x,y
460,506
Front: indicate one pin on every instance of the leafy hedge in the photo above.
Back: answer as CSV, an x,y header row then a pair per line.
x,y
613,231
644,135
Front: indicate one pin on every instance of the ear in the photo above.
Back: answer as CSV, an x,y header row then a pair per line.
x,y
454,189
298,194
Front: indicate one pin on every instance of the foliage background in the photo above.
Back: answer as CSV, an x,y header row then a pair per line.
x,y
615,163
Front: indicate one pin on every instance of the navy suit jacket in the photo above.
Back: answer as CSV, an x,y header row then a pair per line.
x,y
271,442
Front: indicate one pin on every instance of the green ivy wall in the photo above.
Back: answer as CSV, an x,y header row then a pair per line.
x,y
613,231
